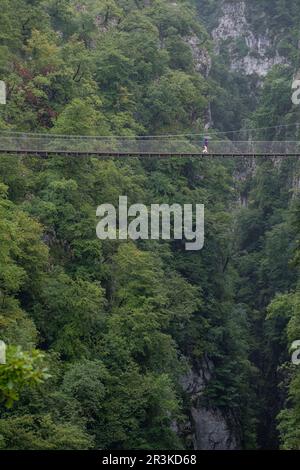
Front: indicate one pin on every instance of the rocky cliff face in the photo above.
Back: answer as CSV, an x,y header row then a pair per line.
x,y
201,57
212,432
249,52
208,428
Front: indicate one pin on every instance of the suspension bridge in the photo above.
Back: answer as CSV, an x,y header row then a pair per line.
x,y
45,145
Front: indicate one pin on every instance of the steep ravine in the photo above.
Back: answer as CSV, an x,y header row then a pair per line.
x,y
250,53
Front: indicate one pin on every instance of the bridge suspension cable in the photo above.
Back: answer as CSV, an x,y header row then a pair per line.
x,y
208,132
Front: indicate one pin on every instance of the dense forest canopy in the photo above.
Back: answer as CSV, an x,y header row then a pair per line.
x,y
126,345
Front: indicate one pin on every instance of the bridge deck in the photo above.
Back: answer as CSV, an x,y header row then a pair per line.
x,y
47,144
162,155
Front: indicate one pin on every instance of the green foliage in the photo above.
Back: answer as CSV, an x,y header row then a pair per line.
x,y
21,370
41,433
122,323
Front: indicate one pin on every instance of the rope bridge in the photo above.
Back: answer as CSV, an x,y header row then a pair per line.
x,y
68,145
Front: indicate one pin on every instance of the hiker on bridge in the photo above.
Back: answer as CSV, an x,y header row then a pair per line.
x,y
205,145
